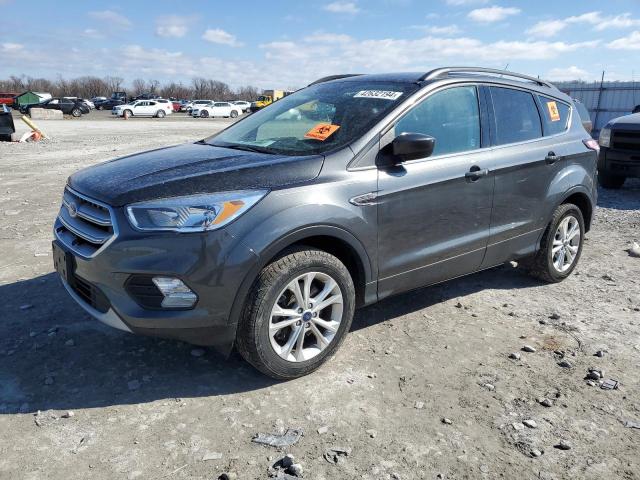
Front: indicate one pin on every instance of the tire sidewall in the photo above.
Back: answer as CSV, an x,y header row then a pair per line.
x,y
283,368
76,112
575,212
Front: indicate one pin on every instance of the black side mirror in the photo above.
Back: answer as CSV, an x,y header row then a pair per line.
x,y
409,146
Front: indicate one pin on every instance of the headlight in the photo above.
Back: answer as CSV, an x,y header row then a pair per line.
x,y
605,137
195,213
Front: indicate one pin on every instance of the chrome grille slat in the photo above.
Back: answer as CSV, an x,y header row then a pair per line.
x,y
84,225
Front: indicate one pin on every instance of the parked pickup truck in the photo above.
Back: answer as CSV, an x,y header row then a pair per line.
x,y
619,156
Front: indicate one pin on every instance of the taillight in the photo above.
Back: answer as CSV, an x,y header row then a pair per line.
x,y
591,144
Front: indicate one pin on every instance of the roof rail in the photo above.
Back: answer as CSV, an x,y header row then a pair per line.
x,y
334,77
444,72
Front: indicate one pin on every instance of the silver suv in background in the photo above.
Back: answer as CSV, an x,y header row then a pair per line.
x,y
269,234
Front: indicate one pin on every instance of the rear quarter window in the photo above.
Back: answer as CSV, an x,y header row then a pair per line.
x,y
516,116
555,115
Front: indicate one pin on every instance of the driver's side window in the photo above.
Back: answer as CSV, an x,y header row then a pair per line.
x,y
451,116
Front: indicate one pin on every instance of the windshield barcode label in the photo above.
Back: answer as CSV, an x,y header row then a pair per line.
x,y
383,94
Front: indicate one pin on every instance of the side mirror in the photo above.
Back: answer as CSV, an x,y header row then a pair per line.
x,y
409,146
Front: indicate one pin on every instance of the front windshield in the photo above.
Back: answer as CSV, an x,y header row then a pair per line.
x,y
316,119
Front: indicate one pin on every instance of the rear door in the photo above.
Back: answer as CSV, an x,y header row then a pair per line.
x,y
525,163
434,213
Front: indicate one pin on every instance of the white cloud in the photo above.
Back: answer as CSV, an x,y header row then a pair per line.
x,y
113,19
174,26
446,30
321,37
547,29
92,33
630,42
569,73
492,14
342,7
619,21
460,3
11,47
217,35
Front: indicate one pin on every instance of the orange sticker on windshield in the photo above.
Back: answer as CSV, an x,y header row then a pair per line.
x,y
321,131
553,111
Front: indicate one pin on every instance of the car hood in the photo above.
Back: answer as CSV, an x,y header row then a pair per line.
x,y
628,122
190,169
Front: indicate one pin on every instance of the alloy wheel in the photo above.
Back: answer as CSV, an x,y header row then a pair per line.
x,y
306,316
566,243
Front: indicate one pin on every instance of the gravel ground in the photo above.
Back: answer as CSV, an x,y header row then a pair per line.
x,y
423,387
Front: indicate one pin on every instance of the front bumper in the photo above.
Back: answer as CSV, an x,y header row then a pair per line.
x,y
213,264
619,162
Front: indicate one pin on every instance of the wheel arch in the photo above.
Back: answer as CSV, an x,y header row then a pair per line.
x,y
581,200
334,240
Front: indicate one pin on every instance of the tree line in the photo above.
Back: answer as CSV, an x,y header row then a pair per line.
x,y
90,86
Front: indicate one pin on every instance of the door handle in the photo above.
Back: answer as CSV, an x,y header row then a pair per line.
x,y
475,173
552,158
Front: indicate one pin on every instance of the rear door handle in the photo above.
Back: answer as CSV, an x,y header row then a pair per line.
x,y
475,173
552,158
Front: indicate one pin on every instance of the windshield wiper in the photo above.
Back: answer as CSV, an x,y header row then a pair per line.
x,y
247,148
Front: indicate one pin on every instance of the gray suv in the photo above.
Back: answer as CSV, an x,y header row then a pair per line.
x,y
269,234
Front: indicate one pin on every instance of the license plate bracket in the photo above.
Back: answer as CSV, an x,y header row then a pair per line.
x,y
63,262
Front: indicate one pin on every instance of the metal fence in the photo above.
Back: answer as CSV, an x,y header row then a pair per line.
x,y
604,100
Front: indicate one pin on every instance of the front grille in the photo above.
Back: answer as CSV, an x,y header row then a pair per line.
x,y
84,225
624,140
90,294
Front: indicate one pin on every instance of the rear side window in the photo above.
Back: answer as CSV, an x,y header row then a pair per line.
x,y
516,116
555,115
451,116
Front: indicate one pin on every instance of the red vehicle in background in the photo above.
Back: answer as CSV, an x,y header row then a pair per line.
x,y
176,105
7,98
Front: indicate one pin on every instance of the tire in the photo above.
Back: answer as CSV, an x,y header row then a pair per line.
x,y
253,338
99,107
612,182
542,264
127,114
204,114
76,113
160,114
234,114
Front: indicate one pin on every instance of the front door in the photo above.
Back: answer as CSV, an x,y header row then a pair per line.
x,y
434,213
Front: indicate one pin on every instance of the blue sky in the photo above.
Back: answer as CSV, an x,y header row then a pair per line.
x,y
290,43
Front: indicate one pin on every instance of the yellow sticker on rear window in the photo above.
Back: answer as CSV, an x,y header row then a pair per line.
x,y
321,131
553,111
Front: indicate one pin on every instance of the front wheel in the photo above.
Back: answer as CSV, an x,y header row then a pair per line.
x,y
608,181
76,112
561,245
160,114
204,114
297,314
234,114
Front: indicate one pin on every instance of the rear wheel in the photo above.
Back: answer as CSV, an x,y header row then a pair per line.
x,y
297,313
608,181
234,114
561,245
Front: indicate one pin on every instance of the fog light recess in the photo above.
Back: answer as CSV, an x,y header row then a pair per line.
x,y
176,293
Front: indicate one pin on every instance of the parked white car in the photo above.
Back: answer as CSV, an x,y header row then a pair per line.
x,y
245,106
216,109
166,104
197,104
141,108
